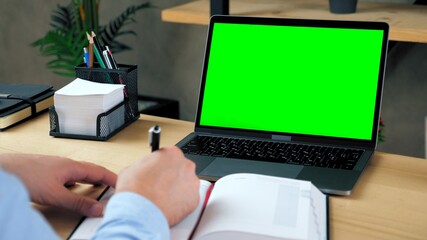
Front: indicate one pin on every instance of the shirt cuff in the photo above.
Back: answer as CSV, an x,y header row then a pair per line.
x,y
132,215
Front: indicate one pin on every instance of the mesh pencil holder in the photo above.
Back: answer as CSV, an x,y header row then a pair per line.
x,y
110,122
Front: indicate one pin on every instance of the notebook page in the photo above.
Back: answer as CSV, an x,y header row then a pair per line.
x,y
249,206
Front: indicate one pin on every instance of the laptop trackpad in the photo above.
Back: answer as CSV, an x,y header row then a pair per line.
x,y
224,166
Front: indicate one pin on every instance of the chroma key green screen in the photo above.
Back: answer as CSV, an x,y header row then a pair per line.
x,y
303,80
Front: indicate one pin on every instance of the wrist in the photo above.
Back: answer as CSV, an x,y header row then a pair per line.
x,y
5,160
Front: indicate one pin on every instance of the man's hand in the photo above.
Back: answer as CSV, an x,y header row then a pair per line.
x,y
46,178
167,179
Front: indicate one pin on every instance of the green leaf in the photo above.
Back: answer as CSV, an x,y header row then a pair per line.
x,y
110,32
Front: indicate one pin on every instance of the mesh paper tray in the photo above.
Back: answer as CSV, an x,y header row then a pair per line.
x,y
117,118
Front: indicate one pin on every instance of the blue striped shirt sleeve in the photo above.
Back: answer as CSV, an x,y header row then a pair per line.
x,y
18,219
132,216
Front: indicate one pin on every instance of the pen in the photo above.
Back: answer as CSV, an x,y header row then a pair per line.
x,y
112,59
108,54
154,137
107,59
115,66
86,56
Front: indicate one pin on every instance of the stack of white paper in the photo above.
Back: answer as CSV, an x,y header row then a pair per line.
x,y
79,103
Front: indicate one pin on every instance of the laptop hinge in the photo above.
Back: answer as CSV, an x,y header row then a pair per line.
x,y
281,138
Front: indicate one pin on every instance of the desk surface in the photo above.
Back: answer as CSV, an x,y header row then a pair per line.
x,y
407,22
389,202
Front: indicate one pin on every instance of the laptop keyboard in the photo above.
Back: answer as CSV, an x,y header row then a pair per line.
x,y
289,153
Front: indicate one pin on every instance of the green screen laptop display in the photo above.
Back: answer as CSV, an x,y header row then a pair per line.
x,y
292,79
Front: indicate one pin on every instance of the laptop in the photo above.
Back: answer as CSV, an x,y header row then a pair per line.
x,y
290,98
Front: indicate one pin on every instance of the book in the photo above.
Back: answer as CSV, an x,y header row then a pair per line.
x,y
246,206
21,101
79,104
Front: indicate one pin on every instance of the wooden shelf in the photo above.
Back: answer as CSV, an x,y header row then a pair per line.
x,y
407,22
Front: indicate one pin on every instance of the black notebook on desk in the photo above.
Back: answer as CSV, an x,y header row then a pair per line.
x,y
20,101
290,98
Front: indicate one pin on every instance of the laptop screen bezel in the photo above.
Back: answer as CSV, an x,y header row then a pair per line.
x,y
303,23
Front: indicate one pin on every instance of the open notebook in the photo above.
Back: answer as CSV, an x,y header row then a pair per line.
x,y
289,97
246,206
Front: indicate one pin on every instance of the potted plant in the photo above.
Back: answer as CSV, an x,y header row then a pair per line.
x,y
67,38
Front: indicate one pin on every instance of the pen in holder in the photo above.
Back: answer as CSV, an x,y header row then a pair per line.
x,y
110,122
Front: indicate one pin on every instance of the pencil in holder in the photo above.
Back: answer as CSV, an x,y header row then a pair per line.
x,y
117,118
